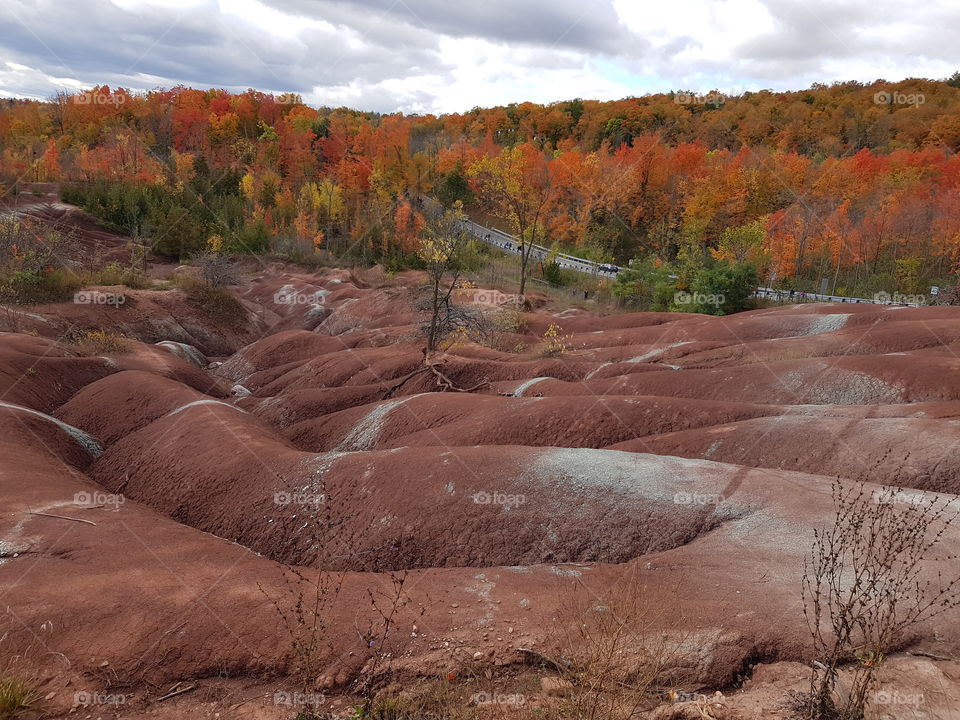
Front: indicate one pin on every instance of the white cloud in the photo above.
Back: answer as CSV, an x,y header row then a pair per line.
x,y
434,55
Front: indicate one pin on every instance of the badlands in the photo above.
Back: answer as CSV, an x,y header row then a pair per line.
x,y
179,510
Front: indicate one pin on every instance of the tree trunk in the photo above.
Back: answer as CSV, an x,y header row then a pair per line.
x,y
524,257
432,336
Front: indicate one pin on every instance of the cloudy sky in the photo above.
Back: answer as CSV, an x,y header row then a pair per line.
x,y
451,55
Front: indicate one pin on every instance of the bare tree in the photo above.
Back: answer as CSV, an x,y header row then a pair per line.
x,y
59,102
442,249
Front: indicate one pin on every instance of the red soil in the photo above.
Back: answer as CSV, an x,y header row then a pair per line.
x,y
685,455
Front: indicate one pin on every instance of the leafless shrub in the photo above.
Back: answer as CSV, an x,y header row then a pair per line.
x,y
216,270
31,245
949,295
217,304
378,635
309,599
303,618
611,653
448,321
10,320
865,587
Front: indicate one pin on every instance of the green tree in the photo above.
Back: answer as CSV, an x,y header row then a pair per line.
x,y
453,186
646,283
908,275
724,288
744,243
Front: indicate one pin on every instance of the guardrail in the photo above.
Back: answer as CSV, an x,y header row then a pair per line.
x,y
800,296
509,243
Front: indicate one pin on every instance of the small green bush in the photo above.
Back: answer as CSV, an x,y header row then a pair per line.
x,y
732,283
552,274
25,287
16,698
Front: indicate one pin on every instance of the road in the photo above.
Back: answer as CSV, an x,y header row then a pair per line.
x,y
509,243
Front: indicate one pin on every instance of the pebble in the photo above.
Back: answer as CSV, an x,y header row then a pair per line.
x,y
555,686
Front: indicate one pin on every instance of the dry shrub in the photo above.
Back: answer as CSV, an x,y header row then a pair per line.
x,y
436,700
31,271
215,303
20,685
216,270
99,342
613,652
864,590
609,658
373,277
308,599
11,320
114,273
554,343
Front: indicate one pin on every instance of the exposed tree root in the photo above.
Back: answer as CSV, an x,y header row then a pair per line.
x,y
444,383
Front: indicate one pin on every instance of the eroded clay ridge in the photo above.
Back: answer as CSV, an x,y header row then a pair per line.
x,y
690,454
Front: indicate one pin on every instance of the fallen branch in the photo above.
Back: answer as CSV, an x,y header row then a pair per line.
x,y
181,691
61,517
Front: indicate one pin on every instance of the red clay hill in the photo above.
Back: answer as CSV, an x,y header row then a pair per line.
x,y
156,499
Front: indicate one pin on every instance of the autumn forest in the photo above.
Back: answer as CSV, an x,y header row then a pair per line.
x,y
857,183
